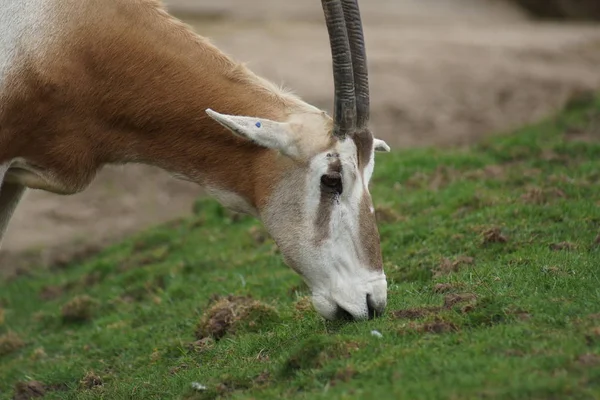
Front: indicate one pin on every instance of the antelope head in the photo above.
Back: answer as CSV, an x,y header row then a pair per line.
x,y
319,209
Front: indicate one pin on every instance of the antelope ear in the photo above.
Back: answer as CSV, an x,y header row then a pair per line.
x,y
264,132
380,145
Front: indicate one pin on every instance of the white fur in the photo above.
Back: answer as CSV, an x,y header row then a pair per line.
x,y
380,145
24,27
333,268
264,132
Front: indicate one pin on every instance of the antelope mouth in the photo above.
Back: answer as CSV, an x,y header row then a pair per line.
x,y
364,307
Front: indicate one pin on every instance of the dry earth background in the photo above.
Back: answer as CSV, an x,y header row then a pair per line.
x,y
443,72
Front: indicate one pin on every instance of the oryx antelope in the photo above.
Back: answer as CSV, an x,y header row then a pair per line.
x,y
85,83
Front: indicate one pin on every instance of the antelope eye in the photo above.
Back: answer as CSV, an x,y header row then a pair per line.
x,y
332,182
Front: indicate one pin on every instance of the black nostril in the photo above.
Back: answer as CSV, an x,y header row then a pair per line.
x,y
370,307
343,314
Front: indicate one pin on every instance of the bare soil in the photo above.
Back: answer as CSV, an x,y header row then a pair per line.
x,y
443,72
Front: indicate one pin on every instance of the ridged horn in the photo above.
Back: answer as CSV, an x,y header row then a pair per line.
x,y
343,74
359,61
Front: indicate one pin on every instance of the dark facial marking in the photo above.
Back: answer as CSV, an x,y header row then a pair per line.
x,y
370,234
331,190
364,146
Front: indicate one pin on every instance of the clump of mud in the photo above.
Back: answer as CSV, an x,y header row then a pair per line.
x,y
562,246
345,375
475,310
494,235
91,380
29,390
445,287
460,298
438,326
542,196
415,313
303,305
79,309
234,313
51,292
588,360
9,343
448,266
202,345
450,301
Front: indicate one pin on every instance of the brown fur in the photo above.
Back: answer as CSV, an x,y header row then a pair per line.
x,y
368,230
121,93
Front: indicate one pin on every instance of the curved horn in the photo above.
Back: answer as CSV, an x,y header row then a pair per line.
x,y
359,61
343,75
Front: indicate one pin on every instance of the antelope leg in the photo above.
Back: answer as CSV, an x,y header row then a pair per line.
x,y
10,195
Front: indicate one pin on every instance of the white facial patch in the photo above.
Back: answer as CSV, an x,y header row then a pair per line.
x,y
324,242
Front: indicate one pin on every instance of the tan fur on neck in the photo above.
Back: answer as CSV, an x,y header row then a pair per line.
x,y
110,90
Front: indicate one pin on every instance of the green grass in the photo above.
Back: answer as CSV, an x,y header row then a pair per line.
x,y
492,255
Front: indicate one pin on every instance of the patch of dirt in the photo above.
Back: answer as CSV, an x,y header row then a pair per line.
x,y
91,380
79,309
262,379
542,196
450,300
589,360
562,246
448,266
445,287
437,326
443,176
415,313
9,343
177,369
51,292
345,374
202,345
497,172
593,336
583,135
229,314
501,71
29,390
494,235
303,304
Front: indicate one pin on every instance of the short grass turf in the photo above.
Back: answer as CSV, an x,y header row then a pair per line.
x,y
492,255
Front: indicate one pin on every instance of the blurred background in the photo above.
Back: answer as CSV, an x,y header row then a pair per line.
x,y
443,73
